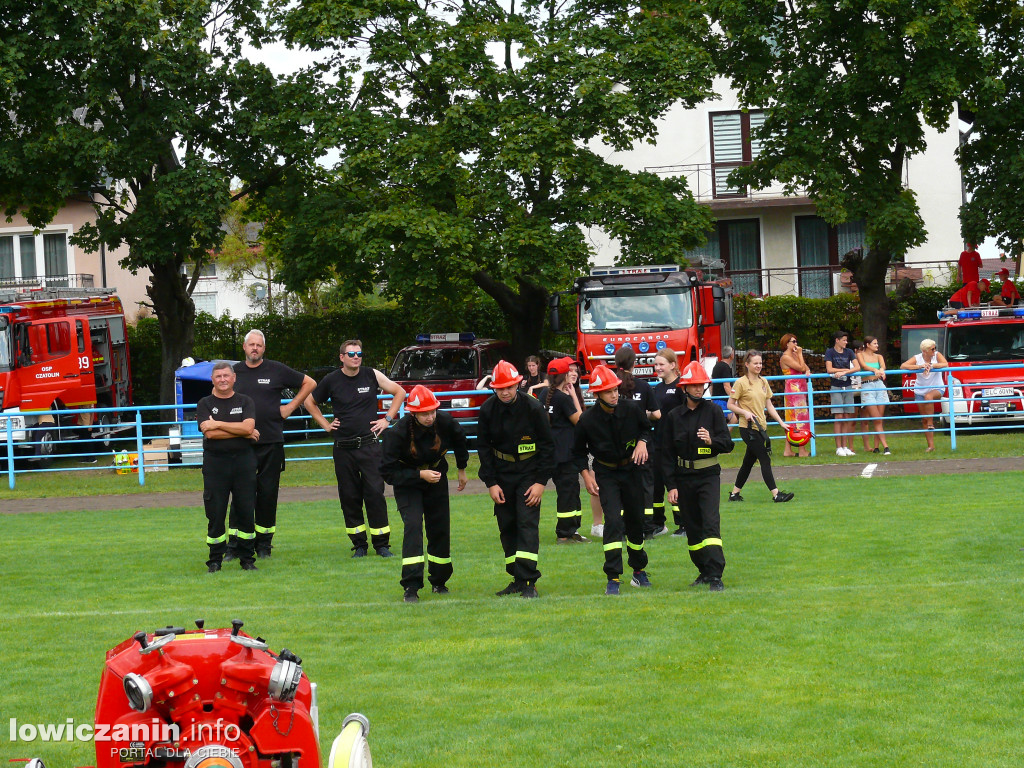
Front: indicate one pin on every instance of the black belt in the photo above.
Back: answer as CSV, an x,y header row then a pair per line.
x,y
613,464
509,457
356,442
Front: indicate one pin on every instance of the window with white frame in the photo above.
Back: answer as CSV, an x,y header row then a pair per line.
x,y
27,257
205,302
732,146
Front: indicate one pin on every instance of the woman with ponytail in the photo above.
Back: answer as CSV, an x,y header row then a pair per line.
x,y
564,407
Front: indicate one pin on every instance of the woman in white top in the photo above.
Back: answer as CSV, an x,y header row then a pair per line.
x,y
928,387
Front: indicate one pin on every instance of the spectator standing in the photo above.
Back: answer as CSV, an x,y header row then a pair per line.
x,y
928,386
970,263
517,458
415,464
265,382
356,427
694,438
227,420
533,377
840,362
794,366
564,409
873,394
751,395
616,432
721,388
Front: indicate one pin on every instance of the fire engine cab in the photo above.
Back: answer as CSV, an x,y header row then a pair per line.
x,y
648,309
449,362
978,336
60,348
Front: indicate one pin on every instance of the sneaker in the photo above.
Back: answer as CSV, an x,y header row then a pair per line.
x,y
662,532
359,552
263,554
249,566
612,588
529,591
850,452
515,588
735,496
212,567
439,589
840,451
875,450
680,531
597,531
715,585
385,552
640,579
699,581
580,538
781,497
411,596
887,452
564,540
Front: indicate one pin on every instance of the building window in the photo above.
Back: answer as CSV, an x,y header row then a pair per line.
x,y
19,258
732,147
209,269
818,250
735,246
6,258
205,302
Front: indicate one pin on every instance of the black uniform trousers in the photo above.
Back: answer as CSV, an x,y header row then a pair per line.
x,y
359,480
655,511
518,524
756,451
699,499
568,506
425,505
622,498
229,481
269,466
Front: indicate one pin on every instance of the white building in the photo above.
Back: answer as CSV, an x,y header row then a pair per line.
x,y
769,243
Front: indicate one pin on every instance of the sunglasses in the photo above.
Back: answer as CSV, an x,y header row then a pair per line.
x,y
354,354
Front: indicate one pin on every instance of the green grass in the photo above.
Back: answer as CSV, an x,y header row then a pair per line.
x,y
866,623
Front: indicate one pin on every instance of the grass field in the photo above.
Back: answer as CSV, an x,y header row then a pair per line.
x,y
868,623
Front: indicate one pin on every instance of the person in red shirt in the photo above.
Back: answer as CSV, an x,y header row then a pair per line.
x,y
970,263
967,296
1009,296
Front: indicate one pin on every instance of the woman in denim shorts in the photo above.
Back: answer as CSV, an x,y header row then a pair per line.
x,y
873,394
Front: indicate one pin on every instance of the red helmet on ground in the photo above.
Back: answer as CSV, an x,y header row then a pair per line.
x,y
602,378
505,375
798,437
694,373
421,399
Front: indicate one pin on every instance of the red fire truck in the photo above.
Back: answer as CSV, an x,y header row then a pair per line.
x,y
60,348
979,336
648,309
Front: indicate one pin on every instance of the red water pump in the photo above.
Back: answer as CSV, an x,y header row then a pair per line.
x,y
218,698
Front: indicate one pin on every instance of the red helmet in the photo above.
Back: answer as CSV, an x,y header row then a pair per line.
x,y
694,373
602,378
421,399
798,437
505,375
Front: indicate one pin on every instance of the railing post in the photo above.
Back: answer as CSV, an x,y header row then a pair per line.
x,y
10,453
138,447
951,411
810,415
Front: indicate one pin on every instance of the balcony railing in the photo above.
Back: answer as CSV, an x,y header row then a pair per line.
x,y
74,280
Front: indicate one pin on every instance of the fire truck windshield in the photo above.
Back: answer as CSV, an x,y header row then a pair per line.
x,y
658,309
976,343
5,345
434,364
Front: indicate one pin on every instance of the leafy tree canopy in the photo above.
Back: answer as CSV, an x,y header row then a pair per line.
x,y
474,148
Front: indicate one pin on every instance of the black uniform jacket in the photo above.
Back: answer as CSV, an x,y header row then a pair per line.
x,y
400,468
512,429
680,440
610,437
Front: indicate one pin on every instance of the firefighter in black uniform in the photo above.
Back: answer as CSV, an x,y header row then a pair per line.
x,y
517,458
228,423
353,392
693,439
415,464
265,381
616,432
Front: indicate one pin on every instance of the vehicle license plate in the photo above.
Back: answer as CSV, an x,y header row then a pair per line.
x,y
997,392
643,371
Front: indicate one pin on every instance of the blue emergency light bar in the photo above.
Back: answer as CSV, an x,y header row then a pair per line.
x,y
989,312
434,338
612,271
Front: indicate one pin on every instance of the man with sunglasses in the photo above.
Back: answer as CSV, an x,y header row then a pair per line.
x,y
353,392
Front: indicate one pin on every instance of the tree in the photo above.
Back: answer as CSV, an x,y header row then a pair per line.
x,y
849,87
993,158
246,254
148,111
473,153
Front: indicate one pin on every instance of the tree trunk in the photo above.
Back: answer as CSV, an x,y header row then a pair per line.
x,y
869,272
176,315
524,311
